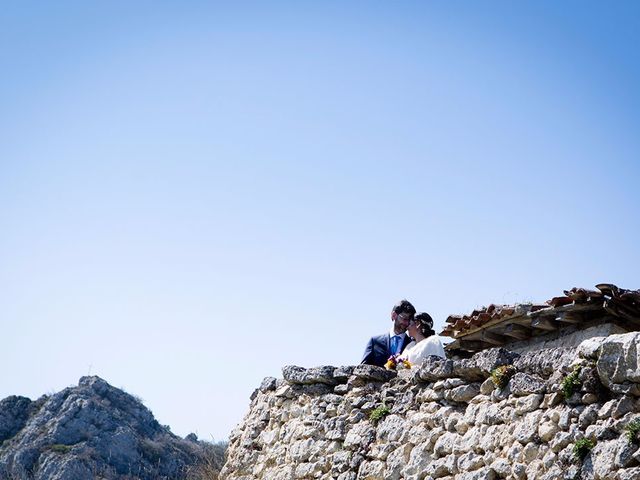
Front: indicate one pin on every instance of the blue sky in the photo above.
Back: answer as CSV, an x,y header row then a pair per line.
x,y
194,194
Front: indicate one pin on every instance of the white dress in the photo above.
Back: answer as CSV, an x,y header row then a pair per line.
x,y
416,353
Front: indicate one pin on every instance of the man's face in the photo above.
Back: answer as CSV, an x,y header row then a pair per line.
x,y
401,322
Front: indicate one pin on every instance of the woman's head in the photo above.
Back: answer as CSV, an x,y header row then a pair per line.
x,y
422,323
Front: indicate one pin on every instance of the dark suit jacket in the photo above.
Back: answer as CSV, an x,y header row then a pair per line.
x,y
378,350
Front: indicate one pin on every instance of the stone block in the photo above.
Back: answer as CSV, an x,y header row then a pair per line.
x,y
480,366
525,384
372,373
545,361
308,376
463,393
619,359
528,403
435,368
487,386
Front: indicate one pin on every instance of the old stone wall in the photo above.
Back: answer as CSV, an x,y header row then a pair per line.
x,y
448,419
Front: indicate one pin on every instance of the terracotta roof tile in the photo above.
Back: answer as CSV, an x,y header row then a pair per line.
x,y
617,301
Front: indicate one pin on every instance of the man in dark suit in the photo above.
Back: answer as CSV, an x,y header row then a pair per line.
x,y
381,347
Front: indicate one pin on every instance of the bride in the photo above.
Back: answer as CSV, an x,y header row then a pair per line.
x,y
425,341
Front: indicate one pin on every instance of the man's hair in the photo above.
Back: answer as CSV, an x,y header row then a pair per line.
x,y
425,323
404,306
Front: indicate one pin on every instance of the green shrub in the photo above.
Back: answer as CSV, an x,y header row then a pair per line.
x,y
60,448
501,375
378,413
582,448
632,430
571,382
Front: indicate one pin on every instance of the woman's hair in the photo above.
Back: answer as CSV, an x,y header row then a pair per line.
x,y
424,322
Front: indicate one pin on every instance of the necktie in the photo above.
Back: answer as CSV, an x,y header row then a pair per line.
x,y
395,344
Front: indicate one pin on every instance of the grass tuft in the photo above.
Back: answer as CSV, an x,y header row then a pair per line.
x,y
571,382
379,413
582,448
632,430
60,448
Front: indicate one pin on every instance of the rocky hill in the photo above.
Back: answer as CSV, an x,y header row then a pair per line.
x,y
95,431
549,413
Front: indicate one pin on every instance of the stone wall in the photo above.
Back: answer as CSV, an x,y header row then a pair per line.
x,y
448,419
570,336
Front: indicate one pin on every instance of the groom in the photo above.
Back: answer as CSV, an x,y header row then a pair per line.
x,y
381,347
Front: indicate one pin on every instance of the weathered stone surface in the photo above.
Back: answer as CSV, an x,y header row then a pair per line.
x,y
625,405
360,436
372,470
602,458
268,384
307,376
502,467
487,386
435,368
420,457
91,431
480,366
470,461
463,393
373,373
392,428
444,445
588,416
589,349
342,374
341,389
528,403
529,453
396,461
519,471
547,430
544,362
14,413
625,453
626,388
526,384
526,431
442,467
484,473
628,474
619,357
589,398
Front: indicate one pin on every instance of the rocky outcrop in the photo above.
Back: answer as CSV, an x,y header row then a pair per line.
x,y
560,414
93,431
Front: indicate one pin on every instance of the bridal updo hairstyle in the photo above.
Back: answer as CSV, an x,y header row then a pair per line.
x,y
424,322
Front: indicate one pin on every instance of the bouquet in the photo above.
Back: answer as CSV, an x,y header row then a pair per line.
x,y
396,362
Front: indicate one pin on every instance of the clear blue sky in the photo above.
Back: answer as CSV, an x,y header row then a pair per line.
x,y
194,194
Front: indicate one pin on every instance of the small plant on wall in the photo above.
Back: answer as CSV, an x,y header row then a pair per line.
x,y
571,383
582,448
501,375
379,413
632,430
